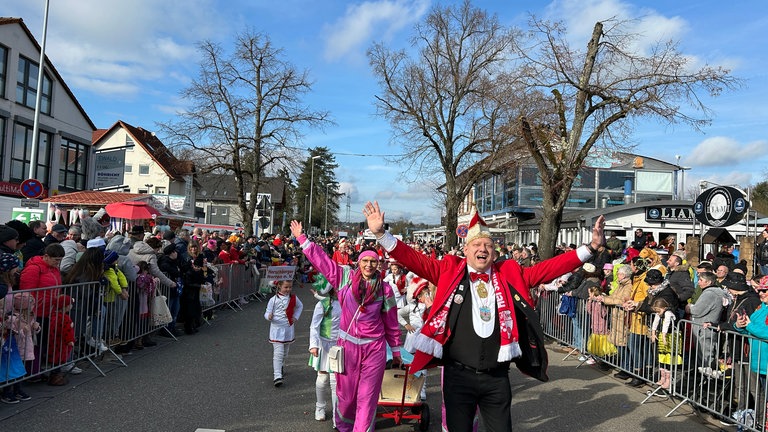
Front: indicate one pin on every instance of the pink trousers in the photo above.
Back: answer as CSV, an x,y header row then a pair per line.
x,y
359,386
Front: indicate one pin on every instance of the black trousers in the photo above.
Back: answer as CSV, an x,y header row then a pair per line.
x,y
464,391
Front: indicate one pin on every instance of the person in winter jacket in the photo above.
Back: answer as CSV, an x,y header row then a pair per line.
x,y
40,272
62,338
706,313
756,325
680,278
116,296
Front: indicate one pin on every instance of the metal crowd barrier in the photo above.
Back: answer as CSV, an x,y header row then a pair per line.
x,y
99,326
710,370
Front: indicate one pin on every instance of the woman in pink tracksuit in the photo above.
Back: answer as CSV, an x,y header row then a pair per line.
x,y
368,324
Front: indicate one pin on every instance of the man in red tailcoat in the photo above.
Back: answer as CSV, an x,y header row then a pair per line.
x,y
481,312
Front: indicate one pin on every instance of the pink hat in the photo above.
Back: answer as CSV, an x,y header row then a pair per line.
x,y
368,253
608,266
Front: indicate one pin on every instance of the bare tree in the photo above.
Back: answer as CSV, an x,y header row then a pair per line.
x,y
444,102
594,98
245,116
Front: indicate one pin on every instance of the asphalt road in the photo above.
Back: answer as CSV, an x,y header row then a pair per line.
x,y
221,379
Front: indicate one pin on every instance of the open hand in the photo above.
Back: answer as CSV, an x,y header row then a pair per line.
x,y
375,218
296,228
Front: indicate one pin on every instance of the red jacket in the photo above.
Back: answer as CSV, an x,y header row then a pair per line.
x,y
38,274
61,334
448,272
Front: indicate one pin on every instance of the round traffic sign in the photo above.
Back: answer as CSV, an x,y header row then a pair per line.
x,y
31,188
462,230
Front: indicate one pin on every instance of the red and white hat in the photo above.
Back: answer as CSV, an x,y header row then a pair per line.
x,y
477,227
416,286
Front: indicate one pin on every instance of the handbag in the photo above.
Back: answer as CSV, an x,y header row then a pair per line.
x,y
161,315
336,359
206,295
336,352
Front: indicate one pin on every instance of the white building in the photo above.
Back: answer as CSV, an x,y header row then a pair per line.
x,y
64,161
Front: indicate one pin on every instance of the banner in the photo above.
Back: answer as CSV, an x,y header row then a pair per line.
x,y
280,273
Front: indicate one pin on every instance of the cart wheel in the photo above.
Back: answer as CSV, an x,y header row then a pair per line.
x,y
424,420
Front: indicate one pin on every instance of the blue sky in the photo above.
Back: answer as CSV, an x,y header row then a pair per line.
x,y
128,60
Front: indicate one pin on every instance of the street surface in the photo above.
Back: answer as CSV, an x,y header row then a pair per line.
x,y
221,379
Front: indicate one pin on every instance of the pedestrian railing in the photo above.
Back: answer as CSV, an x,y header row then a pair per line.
x,y
40,342
719,372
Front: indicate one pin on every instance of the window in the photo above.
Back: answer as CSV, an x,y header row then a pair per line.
x,y
129,143
530,176
143,191
22,149
3,67
74,164
160,191
128,168
224,211
3,122
26,86
614,180
213,211
511,192
143,169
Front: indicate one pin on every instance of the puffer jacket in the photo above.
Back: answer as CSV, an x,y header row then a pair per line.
x,y
142,252
38,274
680,281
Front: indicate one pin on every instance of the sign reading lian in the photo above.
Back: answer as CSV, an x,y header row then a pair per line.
x,y
720,206
669,214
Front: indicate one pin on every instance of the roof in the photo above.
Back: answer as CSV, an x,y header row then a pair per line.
x,y
223,187
93,198
49,64
152,145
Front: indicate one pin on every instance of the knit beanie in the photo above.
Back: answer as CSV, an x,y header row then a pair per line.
x,y
7,233
8,262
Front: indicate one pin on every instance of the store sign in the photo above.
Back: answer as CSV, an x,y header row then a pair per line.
x,y
669,214
110,168
720,206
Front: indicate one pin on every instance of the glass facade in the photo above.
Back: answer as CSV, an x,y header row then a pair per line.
x,y
26,86
74,165
22,149
593,188
3,69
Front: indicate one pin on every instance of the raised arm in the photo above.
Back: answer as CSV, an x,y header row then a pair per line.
x,y
317,257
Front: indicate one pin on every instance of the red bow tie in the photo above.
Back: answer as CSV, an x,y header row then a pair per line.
x,y
474,276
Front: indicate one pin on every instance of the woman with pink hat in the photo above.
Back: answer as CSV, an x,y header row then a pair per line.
x,y
368,324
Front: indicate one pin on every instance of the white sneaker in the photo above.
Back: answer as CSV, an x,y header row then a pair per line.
x,y
98,345
590,361
71,369
582,358
319,414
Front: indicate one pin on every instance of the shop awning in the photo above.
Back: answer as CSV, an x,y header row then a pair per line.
x,y
718,236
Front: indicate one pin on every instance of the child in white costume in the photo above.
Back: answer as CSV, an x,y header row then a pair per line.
x,y
323,333
282,312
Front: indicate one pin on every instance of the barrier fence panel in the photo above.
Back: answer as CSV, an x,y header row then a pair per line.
x,y
720,372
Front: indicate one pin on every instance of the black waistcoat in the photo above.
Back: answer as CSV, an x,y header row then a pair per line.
x,y
465,346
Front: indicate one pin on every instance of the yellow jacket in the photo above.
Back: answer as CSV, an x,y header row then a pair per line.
x,y
116,282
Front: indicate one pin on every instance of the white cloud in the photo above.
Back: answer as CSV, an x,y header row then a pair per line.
x,y
724,151
368,21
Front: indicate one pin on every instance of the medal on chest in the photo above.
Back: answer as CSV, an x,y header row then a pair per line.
x,y
485,313
482,292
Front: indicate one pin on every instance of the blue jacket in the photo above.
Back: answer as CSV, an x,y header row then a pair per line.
x,y
758,344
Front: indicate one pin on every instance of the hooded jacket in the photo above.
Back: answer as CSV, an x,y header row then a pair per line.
x,y
38,274
143,252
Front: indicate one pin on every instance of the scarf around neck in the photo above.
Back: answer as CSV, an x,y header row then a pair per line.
x,y
434,333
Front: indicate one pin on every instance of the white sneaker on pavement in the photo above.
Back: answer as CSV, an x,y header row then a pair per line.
x,y
71,369
319,414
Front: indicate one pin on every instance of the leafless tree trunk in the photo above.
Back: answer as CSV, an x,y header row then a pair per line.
x,y
444,102
245,115
596,94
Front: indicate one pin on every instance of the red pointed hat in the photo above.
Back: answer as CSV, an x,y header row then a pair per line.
x,y
477,227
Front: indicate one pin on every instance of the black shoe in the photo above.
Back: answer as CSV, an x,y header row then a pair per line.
x,y
622,375
278,382
636,382
149,342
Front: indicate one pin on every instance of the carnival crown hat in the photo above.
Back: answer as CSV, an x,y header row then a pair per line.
x,y
477,227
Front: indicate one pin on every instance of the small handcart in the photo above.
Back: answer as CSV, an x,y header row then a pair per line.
x,y
400,397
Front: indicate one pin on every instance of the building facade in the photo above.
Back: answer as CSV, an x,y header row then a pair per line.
x,y
64,158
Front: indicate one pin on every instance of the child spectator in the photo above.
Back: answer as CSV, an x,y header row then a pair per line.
x,y
62,340
282,311
116,298
668,341
323,333
11,364
27,328
598,343
145,285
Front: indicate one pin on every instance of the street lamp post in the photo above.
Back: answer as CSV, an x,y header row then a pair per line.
x,y
311,186
682,177
326,210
